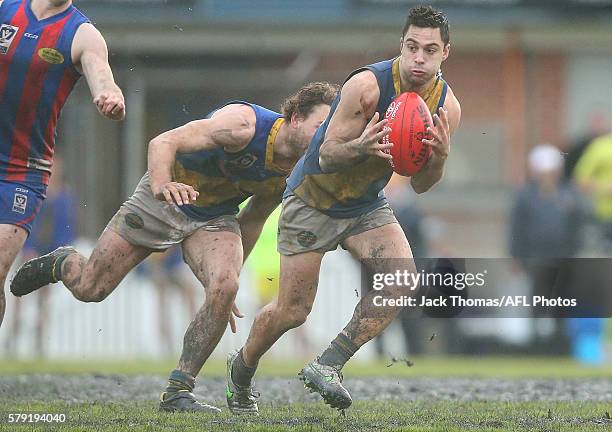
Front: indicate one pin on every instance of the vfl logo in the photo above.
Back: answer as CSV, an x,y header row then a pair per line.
x,y
7,34
20,202
243,162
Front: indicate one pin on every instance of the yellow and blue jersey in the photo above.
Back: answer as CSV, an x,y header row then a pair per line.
x,y
356,190
226,179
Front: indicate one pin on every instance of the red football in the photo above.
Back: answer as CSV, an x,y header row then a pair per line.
x,y
409,118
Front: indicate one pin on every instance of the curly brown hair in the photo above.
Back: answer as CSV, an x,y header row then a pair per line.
x,y
307,98
427,16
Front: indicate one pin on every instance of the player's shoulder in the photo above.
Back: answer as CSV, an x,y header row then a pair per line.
x,y
79,14
362,86
243,114
453,107
240,119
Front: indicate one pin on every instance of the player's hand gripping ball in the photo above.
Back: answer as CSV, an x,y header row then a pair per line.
x,y
408,118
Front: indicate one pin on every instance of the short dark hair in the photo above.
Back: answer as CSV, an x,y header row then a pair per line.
x,y
427,16
307,98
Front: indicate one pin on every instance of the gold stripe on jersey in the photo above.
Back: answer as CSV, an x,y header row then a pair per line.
x,y
324,190
272,187
270,165
213,190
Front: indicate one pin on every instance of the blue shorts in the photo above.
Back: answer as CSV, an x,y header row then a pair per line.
x,y
19,204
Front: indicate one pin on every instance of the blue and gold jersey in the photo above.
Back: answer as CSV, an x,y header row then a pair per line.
x,y
226,179
358,189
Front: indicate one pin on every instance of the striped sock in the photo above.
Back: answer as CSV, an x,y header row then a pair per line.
x,y
339,352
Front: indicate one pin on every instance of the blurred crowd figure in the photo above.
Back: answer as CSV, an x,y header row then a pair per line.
x,y
593,174
167,273
547,228
544,229
55,226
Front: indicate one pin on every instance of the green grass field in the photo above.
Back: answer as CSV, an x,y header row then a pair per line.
x,y
388,415
374,416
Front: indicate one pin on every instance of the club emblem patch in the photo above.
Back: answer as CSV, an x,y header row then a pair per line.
x,y
306,238
7,34
51,55
134,221
242,162
20,202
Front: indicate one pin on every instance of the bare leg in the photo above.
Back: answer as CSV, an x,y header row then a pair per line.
x,y
382,247
93,279
299,277
12,239
216,259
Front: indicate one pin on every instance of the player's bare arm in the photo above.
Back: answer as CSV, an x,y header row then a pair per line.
x,y
252,218
230,128
446,122
90,56
355,129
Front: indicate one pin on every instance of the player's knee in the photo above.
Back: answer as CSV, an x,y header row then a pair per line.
x,y
91,294
294,316
223,288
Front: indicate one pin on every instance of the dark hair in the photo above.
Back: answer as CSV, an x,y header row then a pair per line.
x,y
307,98
427,16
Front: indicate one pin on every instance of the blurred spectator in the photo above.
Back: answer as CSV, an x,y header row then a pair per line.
x,y
545,227
593,174
598,126
166,272
545,218
55,227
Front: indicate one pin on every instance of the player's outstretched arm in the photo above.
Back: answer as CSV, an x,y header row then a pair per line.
x,y
90,55
445,124
231,128
355,129
252,219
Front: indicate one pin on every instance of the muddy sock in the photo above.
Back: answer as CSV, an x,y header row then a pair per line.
x,y
339,352
180,381
242,375
56,268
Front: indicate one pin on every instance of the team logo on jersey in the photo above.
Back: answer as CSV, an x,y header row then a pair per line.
x,y
243,162
20,202
51,55
7,34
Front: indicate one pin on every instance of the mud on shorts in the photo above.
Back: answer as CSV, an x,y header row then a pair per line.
x,y
146,221
302,228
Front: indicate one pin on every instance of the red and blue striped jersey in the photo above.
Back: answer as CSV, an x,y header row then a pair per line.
x,y
36,77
